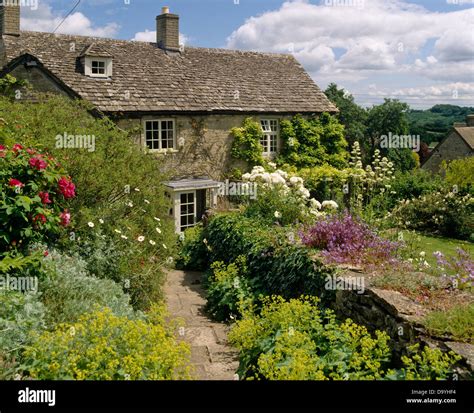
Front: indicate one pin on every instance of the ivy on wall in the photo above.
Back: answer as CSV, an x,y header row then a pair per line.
x,y
305,142
246,145
313,142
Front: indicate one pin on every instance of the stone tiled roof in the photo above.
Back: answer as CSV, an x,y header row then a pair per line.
x,y
146,78
467,133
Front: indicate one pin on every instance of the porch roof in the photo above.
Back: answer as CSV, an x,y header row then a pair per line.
x,y
192,184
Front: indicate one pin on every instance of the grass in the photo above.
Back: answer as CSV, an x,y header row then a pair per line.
x,y
457,322
429,244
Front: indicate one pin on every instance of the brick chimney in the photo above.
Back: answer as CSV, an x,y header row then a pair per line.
x,y
470,120
9,18
167,30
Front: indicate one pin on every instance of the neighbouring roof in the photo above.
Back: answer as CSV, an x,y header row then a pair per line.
x,y
467,133
147,78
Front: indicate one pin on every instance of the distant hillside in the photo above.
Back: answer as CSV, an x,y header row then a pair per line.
x,y
434,124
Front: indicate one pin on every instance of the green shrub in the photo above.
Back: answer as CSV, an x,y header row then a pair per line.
x,y
228,289
449,214
103,346
193,251
34,190
275,263
119,191
296,340
458,322
325,182
427,364
413,184
20,315
69,291
460,172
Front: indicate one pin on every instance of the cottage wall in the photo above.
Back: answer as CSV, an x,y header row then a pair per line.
x,y
452,148
206,144
38,79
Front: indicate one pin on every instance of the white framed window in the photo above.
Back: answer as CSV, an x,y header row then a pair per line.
x,y
187,212
98,66
160,134
270,138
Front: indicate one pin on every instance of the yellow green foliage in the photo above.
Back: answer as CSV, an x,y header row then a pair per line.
x,y
296,340
460,172
428,364
102,346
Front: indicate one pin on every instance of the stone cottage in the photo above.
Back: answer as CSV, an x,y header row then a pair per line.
x,y
458,144
183,100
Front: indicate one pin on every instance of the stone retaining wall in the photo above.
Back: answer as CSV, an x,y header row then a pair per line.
x,y
401,319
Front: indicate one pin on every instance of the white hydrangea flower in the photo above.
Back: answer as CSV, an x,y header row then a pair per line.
x,y
330,205
315,203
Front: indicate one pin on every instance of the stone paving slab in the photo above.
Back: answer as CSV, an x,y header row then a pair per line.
x,y
211,355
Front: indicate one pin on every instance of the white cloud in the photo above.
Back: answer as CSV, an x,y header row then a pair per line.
x,y
45,20
383,38
150,36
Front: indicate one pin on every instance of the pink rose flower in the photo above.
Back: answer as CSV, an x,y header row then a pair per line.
x,y
44,197
40,218
38,163
15,183
67,188
17,147
65,218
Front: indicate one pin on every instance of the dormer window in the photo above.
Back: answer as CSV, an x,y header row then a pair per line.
x,y
97,61
98,66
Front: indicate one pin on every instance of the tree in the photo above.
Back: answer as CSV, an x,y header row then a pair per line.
x,y
390,118
351,115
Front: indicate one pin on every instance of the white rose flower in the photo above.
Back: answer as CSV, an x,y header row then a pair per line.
x,y
91,224
141,238
277,214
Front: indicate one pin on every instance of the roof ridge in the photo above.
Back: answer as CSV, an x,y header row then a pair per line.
x,y
95,39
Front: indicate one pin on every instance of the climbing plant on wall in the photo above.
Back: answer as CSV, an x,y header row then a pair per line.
x,y
246,145
313,142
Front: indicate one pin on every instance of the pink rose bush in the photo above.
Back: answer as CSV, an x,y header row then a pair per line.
x,y
34,192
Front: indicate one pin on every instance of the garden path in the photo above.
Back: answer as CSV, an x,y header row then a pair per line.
x,y
211,355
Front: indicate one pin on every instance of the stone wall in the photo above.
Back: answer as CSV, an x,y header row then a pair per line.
x,y
452,148
39,80
400,318
207,144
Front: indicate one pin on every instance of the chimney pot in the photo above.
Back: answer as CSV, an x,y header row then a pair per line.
x,y
165,10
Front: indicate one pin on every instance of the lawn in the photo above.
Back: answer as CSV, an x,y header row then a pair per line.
x,y
430,244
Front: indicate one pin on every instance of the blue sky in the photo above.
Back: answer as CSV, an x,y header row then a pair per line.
x,y
421,51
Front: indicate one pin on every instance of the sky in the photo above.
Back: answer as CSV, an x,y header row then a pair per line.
x,y
418,51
